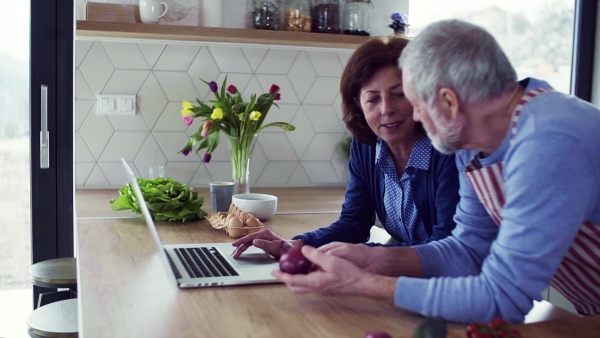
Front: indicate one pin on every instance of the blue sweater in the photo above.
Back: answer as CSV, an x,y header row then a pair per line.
x,y
435,193
552,174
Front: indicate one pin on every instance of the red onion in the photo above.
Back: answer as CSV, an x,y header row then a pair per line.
x,y
377,334
293,261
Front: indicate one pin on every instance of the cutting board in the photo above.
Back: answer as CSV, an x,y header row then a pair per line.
x,y
96,11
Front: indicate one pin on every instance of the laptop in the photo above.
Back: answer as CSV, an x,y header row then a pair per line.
x,y
207,264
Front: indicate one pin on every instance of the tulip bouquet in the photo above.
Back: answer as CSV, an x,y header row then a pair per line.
x,y
241,121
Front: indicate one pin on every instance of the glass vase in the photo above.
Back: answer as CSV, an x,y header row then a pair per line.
x,y
240,150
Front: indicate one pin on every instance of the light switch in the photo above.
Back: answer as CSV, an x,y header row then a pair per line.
x,y
115,104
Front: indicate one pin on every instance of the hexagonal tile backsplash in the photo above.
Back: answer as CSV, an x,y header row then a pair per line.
x,y
161,75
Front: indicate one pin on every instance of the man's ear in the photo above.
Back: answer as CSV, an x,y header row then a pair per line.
x,y
448,102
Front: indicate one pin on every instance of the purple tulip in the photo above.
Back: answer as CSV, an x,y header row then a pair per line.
x,y
277,97
213,86
273,89
187,151
207,157
188,120
204,133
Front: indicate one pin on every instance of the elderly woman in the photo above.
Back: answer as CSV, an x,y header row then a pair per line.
x,y
395,173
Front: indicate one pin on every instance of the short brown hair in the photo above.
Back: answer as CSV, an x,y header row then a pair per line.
x,y
370,57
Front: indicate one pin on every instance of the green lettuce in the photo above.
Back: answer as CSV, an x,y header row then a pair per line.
x,y
167,200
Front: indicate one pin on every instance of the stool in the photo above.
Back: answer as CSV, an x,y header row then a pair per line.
x,y
58,319
59,273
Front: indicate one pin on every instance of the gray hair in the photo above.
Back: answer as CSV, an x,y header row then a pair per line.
x,y
457,55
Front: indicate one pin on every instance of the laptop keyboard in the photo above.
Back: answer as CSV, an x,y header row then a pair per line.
x,y
205,262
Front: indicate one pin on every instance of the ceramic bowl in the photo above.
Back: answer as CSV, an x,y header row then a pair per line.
x,y
262,206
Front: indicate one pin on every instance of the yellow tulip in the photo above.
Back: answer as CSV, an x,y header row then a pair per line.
x,y
255,115
217,114
187,106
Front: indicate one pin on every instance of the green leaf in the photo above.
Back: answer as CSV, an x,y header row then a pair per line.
x,y
167,200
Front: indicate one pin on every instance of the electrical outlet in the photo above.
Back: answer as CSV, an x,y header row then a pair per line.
x,y
115,104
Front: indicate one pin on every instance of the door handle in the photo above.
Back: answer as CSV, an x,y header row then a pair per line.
x,y
44,135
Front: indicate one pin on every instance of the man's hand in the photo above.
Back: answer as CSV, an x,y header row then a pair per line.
x,y
265,239
337,275
380,260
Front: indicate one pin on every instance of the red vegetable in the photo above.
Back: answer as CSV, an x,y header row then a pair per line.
x,y
377,334
293,261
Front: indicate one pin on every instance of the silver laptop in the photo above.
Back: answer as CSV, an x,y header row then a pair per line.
x,y
207,264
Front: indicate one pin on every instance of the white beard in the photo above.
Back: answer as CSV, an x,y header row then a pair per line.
x,y
447,140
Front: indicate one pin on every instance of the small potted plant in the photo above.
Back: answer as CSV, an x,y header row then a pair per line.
x,y
399,23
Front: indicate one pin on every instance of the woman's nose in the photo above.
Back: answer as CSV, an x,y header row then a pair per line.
x,y
387,106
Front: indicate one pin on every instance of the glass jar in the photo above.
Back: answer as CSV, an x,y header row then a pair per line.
x,y
296,16
356,17
326,16
264,14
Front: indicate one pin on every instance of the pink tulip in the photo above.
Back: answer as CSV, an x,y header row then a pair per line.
x,y
188,120
207,125
204,133
277,97
231,89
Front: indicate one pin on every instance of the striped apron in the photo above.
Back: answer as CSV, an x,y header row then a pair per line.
x,y
578,276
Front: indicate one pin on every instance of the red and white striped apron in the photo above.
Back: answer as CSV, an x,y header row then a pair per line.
x,y
578,276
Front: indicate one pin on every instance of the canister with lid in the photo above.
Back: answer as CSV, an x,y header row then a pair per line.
x,y
326,16
296,16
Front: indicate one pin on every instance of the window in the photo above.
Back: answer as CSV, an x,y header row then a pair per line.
x,y
536,35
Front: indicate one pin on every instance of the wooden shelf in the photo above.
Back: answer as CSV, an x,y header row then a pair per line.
x,y
213,34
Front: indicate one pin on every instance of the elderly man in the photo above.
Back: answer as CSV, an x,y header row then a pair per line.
x,y
529,209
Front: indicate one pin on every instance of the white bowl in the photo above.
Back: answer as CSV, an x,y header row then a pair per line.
x,y
262,206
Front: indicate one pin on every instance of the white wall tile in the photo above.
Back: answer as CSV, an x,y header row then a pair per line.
x,y
324,119
82,109
123,144
82,89
323,91
96,130
96,68
81,50
176,57
125,55
151,52
82,152
151,100
254,56
302,75
230,59
310,101
277,173
178,86
277,61
325,63
320,172
322,146
277,147
303,134
125,82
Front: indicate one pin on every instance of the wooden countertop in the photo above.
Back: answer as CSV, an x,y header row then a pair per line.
x,y
95,203
125,291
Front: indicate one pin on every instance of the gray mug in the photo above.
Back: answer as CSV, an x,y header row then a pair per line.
x,y
220,195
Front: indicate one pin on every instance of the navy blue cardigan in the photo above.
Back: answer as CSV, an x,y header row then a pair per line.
x,y
435,192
